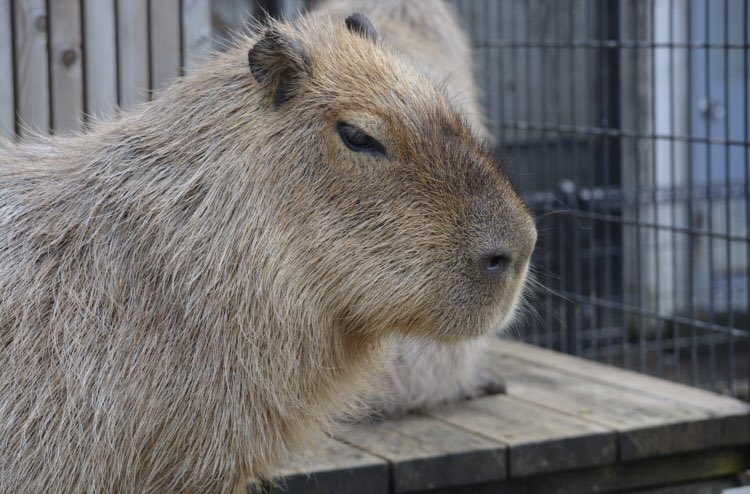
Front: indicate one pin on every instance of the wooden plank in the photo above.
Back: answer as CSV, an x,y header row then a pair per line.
x,y
196,32
620,377
31,58
100,58
711,486
133,54
734,414
66,66
332,466
621,477
165,43
7,103
738,490
426,453
647,425
540,440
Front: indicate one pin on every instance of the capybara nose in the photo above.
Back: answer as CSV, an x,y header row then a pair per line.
x,y
493,262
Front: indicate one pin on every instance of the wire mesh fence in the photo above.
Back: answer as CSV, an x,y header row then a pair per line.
x,y
626,125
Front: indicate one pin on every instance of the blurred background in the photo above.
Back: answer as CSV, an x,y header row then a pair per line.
x,y
624,122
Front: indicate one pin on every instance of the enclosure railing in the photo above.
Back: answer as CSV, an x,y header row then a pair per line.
x,y
626,124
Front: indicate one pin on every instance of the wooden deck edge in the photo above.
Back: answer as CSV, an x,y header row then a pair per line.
x,y
619,477
367,479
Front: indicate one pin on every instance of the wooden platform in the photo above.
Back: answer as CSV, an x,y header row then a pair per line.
x,y
566,425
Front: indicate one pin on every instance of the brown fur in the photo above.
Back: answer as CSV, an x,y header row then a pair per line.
x,y
204,284
428,34
422,373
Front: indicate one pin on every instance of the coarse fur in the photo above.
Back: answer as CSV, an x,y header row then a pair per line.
x,y
422,373
428,33
207,282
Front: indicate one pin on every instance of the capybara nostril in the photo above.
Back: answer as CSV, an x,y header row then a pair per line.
x,y
493,263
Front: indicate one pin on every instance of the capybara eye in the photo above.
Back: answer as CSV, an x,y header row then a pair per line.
x,y
358,141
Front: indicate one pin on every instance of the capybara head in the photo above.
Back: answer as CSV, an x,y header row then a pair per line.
x,y
201,284
410,222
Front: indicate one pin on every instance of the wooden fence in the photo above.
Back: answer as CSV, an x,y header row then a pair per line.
x,y
66,62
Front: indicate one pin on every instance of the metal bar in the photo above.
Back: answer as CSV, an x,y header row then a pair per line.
x,y
727,207
610,88
636,310
676,362
653,346
709,204
549,185
746,113
655,205
567,344
593,251
690,220
637,154
584,214
574,310
616,132
619,45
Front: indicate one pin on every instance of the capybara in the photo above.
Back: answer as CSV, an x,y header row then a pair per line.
x,y
422,373
207,282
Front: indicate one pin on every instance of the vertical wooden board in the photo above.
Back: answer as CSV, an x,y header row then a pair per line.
x,y
165,43
66,66
100,59
31,61
7,103
196,32
132,50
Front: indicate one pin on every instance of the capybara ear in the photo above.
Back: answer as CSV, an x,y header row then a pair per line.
x,y
359,24
279,64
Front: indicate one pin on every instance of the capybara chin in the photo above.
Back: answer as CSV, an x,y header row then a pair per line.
x,y
203,284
